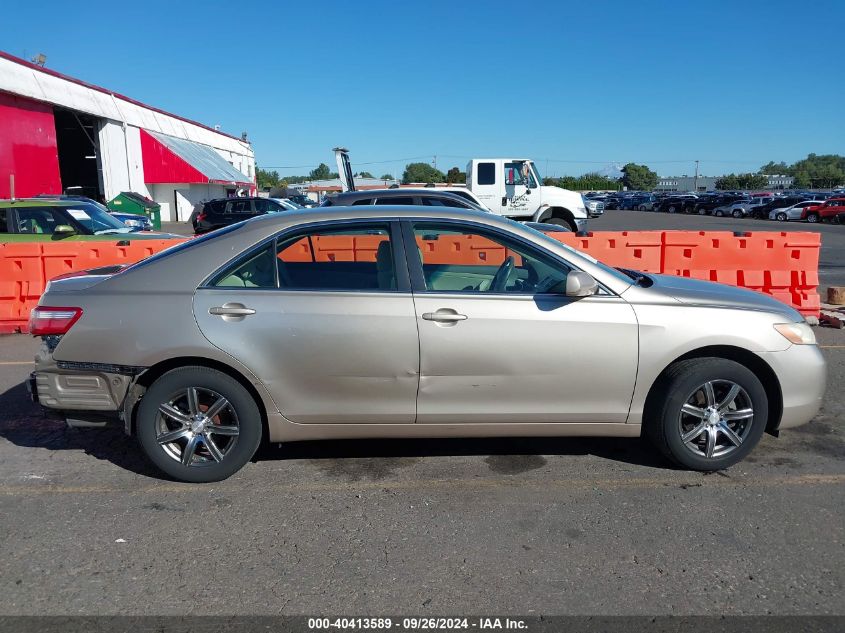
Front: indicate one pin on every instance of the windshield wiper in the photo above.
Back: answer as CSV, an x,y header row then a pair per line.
x,y
639,278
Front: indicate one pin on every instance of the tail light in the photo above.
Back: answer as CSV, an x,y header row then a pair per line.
x,y
45,320
201,217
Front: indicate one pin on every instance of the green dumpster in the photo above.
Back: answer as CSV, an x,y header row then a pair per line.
x,y
131,202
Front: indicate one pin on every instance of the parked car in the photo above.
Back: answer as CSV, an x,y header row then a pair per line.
x,y
465,193
776,202
302,200
392,329
545,227
133,221
739,209
795,212
42,219
706,204
287,203
640,202
675,204
214,214
828,211
429,197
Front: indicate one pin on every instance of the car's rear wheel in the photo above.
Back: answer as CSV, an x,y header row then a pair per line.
x,y
708,413
198,424
642,207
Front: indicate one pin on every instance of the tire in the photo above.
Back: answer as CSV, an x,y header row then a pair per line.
x,y
812,218
683,383
562,222
702,211
736,213
234,448
780,217
642,208
672,209
719,214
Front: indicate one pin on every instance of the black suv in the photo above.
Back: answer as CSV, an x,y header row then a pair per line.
x,y
761,212
419,197
213,214
705,205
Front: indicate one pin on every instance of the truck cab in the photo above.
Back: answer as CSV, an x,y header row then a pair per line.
x,y
512,187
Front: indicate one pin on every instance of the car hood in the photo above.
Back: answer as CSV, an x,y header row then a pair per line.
x,y
707,293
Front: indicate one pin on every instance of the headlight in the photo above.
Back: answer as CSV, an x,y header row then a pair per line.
x,y
797,333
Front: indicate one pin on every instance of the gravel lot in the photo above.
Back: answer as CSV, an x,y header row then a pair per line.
x,y
518,526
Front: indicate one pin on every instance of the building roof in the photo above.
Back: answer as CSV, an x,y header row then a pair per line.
x,y
18,76
202,158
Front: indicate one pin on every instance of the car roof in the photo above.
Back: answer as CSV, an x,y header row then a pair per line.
x,y
397,193
41,202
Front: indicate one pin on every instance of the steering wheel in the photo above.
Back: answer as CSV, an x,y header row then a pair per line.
x,y
500,279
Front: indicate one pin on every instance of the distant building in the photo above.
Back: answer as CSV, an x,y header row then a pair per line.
x,y
686,183
62,135
315,189
708,183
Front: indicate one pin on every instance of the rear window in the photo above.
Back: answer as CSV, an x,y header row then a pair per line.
x,y
183,246
397,200
486,173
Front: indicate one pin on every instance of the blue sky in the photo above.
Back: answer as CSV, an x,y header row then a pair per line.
x,y
574,85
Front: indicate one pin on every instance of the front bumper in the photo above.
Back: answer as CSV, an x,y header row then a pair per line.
x,y
580,224
802,374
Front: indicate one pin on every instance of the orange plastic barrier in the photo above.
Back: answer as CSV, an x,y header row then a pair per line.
x,y
781,264
25,269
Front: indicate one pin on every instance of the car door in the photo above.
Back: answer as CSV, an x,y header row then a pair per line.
x,y
324,317
522,191
498,346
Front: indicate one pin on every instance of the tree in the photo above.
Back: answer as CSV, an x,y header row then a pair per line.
x,y
386,177
266,179
587,182
638,177
776,169
455,175
364,174
742,181
321,173
421,172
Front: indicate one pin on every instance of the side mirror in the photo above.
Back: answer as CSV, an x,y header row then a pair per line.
x,y
63,230
580,284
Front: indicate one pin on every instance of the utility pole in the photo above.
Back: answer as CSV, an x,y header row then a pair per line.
x,y
434,162
696,176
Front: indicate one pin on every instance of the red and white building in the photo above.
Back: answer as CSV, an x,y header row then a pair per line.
x,y
62,135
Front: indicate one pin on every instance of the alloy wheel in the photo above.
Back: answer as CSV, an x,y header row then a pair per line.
x,y
715,419
197,427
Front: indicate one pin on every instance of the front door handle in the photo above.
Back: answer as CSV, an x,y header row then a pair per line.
x,y
231,311
444,316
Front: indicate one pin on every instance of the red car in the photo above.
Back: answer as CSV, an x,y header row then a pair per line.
x,y
830,211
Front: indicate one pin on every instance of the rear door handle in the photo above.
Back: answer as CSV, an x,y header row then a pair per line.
x,y
231,310
442,316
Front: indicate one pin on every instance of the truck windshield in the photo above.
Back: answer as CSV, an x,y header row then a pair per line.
x,y
536,173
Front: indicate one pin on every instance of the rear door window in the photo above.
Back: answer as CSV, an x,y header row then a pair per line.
x,y
329,258
236,206
38,220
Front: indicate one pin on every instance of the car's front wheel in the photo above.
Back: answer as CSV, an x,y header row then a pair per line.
x,y
813,218
780,217
707,413
737,213
198,424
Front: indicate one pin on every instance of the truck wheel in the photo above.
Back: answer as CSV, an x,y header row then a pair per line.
x,y
562,222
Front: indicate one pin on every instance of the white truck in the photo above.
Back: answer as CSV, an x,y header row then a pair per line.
x,y
512,187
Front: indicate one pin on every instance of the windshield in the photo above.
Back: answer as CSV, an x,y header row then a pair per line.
x,y
95,220
545,237
536,173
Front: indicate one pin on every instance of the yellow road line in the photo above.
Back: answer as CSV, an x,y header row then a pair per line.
x,y
702,481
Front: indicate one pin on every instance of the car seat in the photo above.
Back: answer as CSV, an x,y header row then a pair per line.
x,y
384,266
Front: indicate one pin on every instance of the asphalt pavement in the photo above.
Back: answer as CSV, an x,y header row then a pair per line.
x,y
512,526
